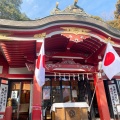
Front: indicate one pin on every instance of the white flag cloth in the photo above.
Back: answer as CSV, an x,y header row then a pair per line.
x,y
40,67
111,62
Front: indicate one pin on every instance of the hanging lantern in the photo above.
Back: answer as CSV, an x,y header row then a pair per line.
x,y
87,77
55,76
83,76
99,75
69,77
78,77
59,76
64,77
73,76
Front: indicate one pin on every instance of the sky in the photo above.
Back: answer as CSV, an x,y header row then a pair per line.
x,y
37,9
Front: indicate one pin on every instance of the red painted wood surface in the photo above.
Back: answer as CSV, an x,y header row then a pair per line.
x,y
36,113
37,100
101,98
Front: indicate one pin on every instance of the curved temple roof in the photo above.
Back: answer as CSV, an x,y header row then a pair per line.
x,y
20,46
57,19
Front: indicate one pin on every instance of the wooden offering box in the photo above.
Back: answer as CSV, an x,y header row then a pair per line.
x,y
70,111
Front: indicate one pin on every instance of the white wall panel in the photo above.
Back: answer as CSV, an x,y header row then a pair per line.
x,y
1,69
23,70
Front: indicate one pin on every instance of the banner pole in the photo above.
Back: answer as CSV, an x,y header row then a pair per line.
x,y
92,97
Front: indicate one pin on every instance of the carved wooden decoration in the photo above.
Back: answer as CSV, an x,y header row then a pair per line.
x,y
109,40
67,65
42,35
4,36
75,34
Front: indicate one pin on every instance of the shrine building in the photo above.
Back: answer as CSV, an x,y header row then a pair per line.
x,y
75,44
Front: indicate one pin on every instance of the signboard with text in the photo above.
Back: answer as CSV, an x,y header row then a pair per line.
x,y
3,97
46,94
114,97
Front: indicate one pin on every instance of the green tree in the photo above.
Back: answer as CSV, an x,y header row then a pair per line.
x,y
117,12
97,18
10,9
115,23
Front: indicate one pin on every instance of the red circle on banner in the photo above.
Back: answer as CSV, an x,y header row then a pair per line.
x,y
109,58
38,62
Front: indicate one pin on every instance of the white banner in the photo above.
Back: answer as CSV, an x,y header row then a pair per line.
x,y
46,94
74,93
14,94
3,98
66,92
114,97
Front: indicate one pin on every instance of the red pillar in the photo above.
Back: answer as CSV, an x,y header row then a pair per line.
x,y
37,101
5,70
101,98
